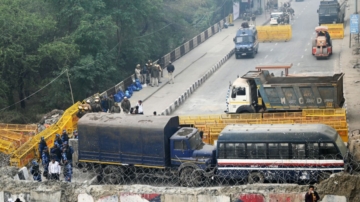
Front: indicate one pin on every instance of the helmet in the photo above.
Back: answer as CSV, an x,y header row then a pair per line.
x,y
96,100
86,108
64,131
42,138
88,101
80,107
57,135
34,162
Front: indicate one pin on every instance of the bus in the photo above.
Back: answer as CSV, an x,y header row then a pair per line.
x,y
300,153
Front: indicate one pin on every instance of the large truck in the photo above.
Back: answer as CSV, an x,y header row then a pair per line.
x,y
260,91
121,144
114,143
331,11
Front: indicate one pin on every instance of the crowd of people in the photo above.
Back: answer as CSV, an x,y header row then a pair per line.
x,y
151,73
55,159
108,105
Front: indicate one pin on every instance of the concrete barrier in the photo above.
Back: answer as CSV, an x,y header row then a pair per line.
x,y
207,198
23,174
196,85
293,197
333,198
250,197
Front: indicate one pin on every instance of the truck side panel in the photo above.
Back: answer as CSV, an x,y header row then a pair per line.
x,y
141,142
286,94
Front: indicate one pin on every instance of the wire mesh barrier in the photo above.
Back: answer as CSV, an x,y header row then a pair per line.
x,y
280,171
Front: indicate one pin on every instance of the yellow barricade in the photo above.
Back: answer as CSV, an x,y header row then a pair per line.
x,y
274,33
336,31
28,151
24,128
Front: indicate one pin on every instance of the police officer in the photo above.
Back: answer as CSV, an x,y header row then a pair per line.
x,y
35,171
58,141
64,136
56,153
81,112
67,170
45,160
42,145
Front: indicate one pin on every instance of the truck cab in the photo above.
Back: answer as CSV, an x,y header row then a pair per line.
x,y
331,11
242,93
246,42
186,145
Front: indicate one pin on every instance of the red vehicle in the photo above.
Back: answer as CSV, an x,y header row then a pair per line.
x,y
322,46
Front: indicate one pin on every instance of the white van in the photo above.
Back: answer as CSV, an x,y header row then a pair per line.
x,y
274,17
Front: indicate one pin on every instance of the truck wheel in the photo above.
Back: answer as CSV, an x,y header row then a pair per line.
x,y
245,109
189,177
255,178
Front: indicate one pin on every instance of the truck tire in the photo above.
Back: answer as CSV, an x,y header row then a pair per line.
x,y
255,178
245,109
190,177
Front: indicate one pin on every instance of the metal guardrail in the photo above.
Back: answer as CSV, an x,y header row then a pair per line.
x,y
171,56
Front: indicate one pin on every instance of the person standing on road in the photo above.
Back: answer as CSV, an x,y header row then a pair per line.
x,y
111,101
144,72
311,195
67,170
42,145
115,108
138,72
45,160
54,169
170,68
126,105
160,72
154,75
35,171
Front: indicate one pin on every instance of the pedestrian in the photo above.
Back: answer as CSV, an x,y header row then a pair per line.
x,y
104,104
80,112
35,171
88,105
75,134
154,113
18,200
111,101
67,171
115,108
160,72
42,145
170,68
140,107
138,72
311,195
45,160
125,105
58,140
96,106
56,152
144,73
219,26
64,136
54,169
69,151
149,66
154,76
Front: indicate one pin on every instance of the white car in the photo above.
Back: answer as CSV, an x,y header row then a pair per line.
x,y
274,17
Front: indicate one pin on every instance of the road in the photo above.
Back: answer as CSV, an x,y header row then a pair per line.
x,y
210,97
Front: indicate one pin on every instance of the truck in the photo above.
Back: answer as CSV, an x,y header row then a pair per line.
x,y
331,11
259,91
115,143
246,41
125,146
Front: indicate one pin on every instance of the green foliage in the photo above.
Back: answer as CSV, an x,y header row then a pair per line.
x,y
99,43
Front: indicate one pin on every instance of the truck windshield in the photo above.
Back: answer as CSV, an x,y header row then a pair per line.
x,y
244,39
195,141
327,11
275,16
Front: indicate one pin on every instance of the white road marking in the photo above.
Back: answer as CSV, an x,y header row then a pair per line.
x,y
266,56
271,49
302,56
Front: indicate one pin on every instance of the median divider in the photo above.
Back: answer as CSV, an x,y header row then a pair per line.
x,y
271,33
185,95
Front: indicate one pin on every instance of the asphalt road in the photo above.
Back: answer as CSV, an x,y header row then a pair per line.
x,y
210,97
